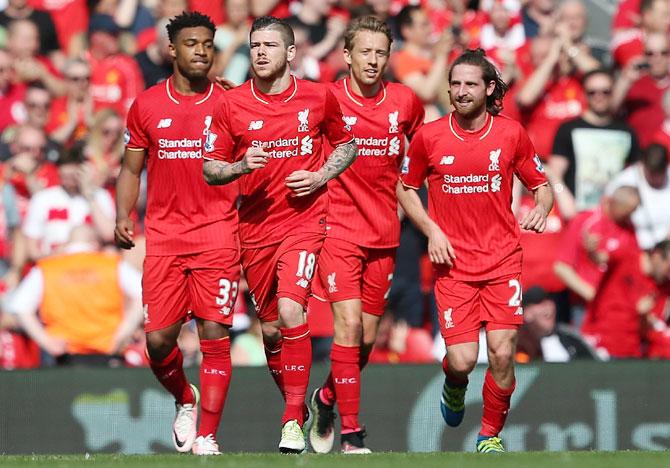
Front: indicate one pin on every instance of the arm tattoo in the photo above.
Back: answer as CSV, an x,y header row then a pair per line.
x,y
341,158
221,173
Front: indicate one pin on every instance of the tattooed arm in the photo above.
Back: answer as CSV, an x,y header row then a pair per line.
x,y
305,182
221,173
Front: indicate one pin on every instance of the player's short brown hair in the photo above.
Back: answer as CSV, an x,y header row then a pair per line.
x,y
366,23
477,57
270,22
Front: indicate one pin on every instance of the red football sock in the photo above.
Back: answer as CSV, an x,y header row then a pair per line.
x,y
496,406
455,380
347,377
273,357
327,393
215,374
296,359
170,374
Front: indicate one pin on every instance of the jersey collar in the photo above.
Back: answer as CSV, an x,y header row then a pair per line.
x,y
290,91
355,99
485,130
173,94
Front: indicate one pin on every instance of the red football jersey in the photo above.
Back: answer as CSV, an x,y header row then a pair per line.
x,y
362,204
184,214
115,81
470,177
291,127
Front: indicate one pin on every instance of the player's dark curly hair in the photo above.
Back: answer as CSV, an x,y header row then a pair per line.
x,y
190,19
270,22
477,57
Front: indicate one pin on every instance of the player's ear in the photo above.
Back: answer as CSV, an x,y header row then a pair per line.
x,y
347,56
290,53
490,88
172,51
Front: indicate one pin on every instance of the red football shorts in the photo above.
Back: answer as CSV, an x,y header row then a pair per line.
x,y
348,271
279,270
464,306
202,284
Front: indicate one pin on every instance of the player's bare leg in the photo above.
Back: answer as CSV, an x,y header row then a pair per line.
x,y
499,385
272,342
215,375
460,360
166,362
296,360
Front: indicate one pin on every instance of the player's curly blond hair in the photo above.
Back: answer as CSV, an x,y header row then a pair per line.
x,y
365,23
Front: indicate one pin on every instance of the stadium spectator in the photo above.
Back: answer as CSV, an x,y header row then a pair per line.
x,y
72,113
590,150
662,136
628,43
651,177
55,211
306,66
276,8
155,61
538,17
23,9
232,42
103,148
551,95
134,20
11,92
639,90
629,303
421,63
591,238
115,77
23,44
81,306
325,27
502,36
571,24
10,231
70,18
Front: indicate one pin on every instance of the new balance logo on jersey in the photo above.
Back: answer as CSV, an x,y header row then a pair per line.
x,y
303,118
306,145
255,125
447,160
494,157
448,321
496,181
349,121
164,123
393,122
332,287
394,146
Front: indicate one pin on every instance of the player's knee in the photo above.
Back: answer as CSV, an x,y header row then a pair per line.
x,y
159,345
291,314
352,329
271,333
462,364
502,357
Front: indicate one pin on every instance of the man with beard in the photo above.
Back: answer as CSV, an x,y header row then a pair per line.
x,y
192,262
268,133
470,158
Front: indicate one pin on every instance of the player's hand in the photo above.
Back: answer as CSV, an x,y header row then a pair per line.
x,y
123,233
440,250
304,183
254,158
535,220
225,83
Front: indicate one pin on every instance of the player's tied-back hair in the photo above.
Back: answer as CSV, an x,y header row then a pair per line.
x,y
477,57
190,19
270,22
365,23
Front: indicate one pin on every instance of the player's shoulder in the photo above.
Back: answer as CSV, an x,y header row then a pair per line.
x,y
336,87
153,93
312,88
437,127
399,91
506,122
241,92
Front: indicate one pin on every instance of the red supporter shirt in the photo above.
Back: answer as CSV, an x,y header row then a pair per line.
x,y
70,18
115,82
613,240
627,14
662,137
612,320
184,214
470,177
563,100
643,105
627,45
362,203
291,127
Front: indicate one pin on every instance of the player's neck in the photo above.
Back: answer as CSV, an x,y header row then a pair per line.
x,y
364,90
274,86
596,119
187,87
472,124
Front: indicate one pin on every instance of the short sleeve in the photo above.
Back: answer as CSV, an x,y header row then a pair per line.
x,y
334,127
135,137
415,165
527,164
220,145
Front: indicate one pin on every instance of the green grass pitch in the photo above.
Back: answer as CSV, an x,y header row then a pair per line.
x,y
377,460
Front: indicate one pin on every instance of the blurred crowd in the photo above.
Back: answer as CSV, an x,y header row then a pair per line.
x,y
598,112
